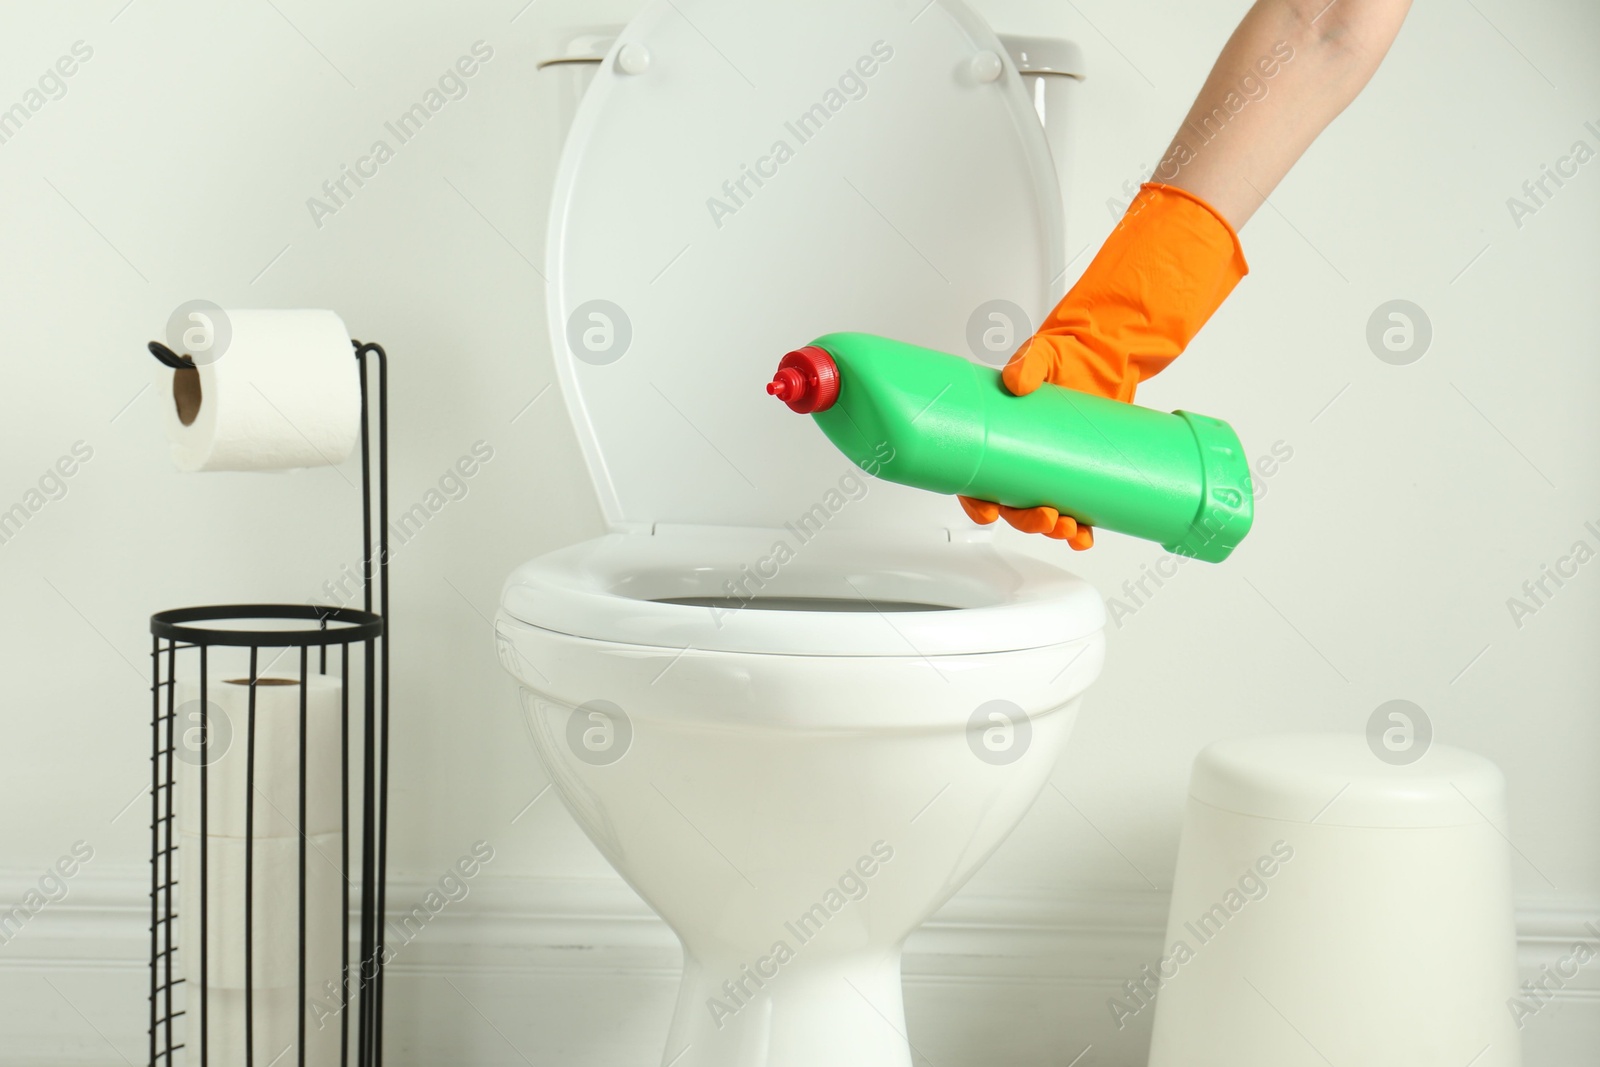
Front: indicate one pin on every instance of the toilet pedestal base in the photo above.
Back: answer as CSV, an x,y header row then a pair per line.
x,y
842,1011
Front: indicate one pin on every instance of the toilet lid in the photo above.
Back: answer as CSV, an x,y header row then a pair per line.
x,y
741,178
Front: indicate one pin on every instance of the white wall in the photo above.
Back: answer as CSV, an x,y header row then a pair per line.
x,y
1418,499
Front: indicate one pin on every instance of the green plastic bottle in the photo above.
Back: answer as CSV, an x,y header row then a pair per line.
x,y
1180,480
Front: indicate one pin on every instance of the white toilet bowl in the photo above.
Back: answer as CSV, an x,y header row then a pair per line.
x,y
791,706
795,815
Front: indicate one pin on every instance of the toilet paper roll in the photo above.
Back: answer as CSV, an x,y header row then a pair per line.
x,y
273,1027
275,911
279,390
277,762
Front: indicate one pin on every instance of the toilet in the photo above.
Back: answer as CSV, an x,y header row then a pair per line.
x,y
794,706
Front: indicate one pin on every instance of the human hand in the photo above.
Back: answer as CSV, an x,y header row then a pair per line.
x,y
1039,520
1161,274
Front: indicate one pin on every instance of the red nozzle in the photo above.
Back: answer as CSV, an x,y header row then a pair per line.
x,y
807,380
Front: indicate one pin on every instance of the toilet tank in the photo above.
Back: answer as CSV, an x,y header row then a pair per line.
x,y
1051,69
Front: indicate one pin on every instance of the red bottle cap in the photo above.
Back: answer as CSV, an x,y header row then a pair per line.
x,y
807,380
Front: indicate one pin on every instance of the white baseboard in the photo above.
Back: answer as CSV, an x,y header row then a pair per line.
x,y
598,930
520,922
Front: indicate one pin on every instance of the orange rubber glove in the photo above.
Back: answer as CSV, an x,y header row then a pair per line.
x,y
1167,266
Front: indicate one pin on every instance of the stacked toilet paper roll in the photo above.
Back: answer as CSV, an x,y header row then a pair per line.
x,y
277,756
274,878
274,912
273,1027
272,390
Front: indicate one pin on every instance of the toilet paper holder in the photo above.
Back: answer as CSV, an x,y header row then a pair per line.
x,y
197,733
170,358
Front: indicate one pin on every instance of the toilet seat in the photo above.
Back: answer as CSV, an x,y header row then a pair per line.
x,y
910,594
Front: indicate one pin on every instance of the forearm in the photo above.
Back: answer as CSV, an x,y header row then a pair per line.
x,y
1289,69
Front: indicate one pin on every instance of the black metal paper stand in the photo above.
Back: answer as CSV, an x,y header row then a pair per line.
x,y
182,639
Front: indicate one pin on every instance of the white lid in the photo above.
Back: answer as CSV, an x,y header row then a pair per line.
x,y
1337,780
917,193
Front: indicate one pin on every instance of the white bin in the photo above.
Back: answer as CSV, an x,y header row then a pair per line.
x,y
1330,907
